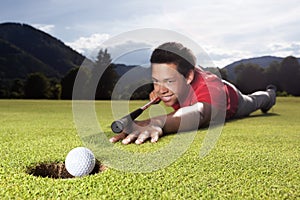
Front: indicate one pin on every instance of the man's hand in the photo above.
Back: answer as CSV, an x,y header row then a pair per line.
x,y
139,132
153,96
184,119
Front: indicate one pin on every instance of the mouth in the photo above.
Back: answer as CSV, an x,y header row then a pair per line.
x,y
166,98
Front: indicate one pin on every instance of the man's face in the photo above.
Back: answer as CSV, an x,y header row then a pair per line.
x,y
169,85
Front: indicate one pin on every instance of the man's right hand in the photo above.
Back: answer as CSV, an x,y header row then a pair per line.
x,y
153,96
139,132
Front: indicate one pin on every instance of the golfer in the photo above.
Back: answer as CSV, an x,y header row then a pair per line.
x,y
197,97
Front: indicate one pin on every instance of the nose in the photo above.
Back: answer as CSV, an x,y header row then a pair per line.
x,y
161,88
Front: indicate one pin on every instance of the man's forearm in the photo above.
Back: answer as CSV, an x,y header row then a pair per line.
x,y
184,119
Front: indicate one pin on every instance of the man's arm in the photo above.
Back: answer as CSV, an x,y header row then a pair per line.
x,y
184,119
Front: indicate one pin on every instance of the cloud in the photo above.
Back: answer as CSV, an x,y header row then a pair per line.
x,y
131,52
220,57
285,49
48,28
128,52
228,29
88,45
232,30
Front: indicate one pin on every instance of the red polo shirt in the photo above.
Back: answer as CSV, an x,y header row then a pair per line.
x,y
209,88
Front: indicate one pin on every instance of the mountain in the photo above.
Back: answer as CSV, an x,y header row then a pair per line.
x,y
25,49
263,62
122,68
16,63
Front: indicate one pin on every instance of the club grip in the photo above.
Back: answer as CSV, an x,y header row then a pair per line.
x,y
119,125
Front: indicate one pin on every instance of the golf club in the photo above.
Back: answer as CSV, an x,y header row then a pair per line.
x,y
119,125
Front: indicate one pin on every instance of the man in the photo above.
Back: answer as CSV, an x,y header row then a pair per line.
x,y
198,97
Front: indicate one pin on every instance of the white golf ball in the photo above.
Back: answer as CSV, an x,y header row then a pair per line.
x,y
80,161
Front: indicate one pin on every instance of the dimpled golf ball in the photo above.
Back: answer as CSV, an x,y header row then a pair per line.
x,y
80,161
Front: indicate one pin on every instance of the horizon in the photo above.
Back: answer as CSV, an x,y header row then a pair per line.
x,y
123,59
227,31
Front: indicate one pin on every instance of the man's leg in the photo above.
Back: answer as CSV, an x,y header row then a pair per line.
x,y
263,100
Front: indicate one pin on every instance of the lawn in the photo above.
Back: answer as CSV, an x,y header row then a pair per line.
x,y
255,158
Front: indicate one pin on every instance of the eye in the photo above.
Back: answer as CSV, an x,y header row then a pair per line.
x,y
171,81
154,81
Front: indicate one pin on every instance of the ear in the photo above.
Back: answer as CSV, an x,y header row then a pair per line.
x,y
190,76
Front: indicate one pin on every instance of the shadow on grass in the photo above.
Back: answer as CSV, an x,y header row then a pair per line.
x,y
254,116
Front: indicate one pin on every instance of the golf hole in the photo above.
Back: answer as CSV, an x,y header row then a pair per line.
x,y
58,170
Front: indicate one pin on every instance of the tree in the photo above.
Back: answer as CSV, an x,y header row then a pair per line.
x,y
3,93
4,88
55,89
290,75
37,86
17,89
224,73
142,92
105,73
67,83
250,78
272,74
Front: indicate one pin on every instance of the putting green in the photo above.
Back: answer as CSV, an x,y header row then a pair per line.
x,y
255,158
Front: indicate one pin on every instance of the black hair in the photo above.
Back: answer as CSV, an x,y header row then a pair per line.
x,y
173,52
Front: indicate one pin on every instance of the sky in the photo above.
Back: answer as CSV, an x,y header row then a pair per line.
x,y
223,30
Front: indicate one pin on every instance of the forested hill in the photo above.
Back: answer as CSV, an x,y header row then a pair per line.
x,y
263,62
25,49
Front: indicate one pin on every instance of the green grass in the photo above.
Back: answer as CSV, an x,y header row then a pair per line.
x,y
255,158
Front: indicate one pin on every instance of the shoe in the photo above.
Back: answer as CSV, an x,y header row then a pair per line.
x,y
271,89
